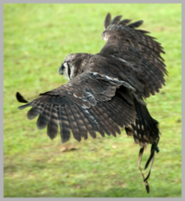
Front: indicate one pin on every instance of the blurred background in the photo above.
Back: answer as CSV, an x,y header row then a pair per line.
x,y
37,37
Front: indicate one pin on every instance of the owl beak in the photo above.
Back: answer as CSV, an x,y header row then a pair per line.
x,y
60,70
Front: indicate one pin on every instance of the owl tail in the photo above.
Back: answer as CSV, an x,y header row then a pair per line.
x,y
144,131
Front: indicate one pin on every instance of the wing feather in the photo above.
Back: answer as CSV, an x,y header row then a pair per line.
x,y
79,121
93,124
139,51
86,122
101,122
44,117
73,123
124,22
116,19
64,125
35,110
111,123
105,120
52,127
136,24
107,20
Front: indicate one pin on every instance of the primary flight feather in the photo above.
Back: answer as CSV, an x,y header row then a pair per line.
x,y
106,91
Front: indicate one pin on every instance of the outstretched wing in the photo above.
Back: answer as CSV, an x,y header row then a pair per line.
x,y
138,50
88,103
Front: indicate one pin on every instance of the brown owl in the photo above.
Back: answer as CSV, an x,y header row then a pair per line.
x,y
106,91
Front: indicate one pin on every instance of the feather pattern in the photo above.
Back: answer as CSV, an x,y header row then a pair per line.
x,y
79,120
52,127
110,124
65,129
43,119
73,123
101,121
139,51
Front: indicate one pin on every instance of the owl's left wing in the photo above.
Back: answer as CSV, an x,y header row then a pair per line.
x,y
89,103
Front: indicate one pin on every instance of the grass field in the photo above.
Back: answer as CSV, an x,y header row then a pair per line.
x,y
37,37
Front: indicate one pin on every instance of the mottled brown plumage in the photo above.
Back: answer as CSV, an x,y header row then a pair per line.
x,y
105,91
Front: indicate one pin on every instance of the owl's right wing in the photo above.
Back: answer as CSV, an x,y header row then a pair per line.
x,y
139,51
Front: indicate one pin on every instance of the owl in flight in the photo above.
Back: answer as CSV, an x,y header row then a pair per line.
x,y
106,91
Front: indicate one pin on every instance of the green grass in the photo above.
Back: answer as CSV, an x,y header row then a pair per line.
x,y
37,37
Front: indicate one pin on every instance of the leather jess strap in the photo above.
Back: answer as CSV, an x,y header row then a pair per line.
x,y
150,160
